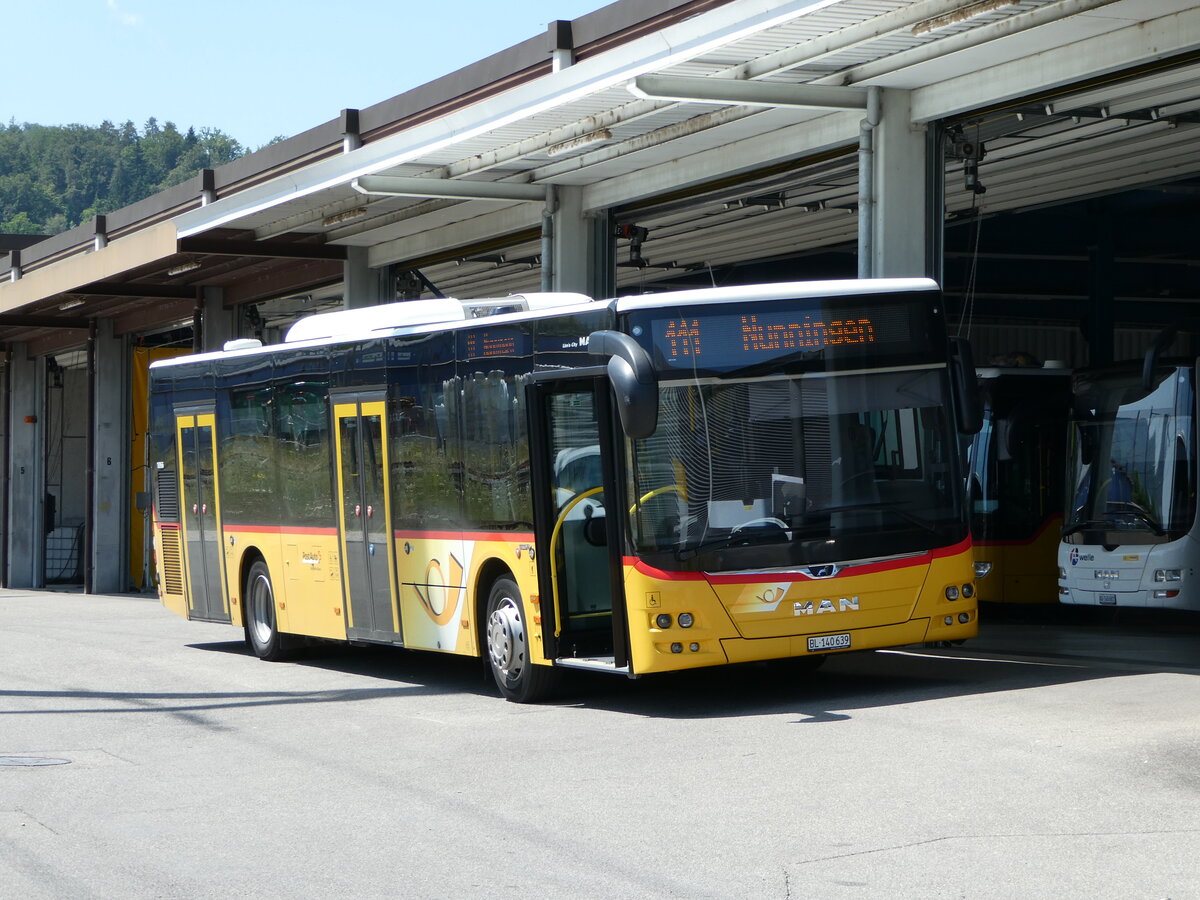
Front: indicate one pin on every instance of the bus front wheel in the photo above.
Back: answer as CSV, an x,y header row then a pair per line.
x,y
262,631
508,646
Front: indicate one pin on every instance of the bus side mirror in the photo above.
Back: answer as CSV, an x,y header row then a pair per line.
x,y
968,405
631,374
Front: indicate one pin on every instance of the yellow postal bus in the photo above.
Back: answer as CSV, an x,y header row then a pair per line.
x,y
545,481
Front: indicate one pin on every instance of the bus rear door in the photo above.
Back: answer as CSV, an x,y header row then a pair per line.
x,y
363,517
200,515
578,521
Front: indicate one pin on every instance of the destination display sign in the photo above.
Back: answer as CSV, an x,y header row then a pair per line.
x,y
489,343
720,341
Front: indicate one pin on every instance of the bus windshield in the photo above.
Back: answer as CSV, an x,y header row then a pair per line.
x,y
1132,455
793,471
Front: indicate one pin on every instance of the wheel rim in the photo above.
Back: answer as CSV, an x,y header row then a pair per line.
x,y
262,602
506,639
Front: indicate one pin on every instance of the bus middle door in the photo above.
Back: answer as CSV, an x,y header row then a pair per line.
x,y
200,515
363,518
578,520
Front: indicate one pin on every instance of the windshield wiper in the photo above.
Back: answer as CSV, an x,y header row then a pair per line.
x,y
1139,513
890,506
745,538
1131,509
754,536
1086,525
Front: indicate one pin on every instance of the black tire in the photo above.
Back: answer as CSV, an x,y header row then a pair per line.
x,y
262,634
506,643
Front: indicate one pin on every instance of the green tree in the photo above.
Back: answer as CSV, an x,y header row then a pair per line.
x,y
54,177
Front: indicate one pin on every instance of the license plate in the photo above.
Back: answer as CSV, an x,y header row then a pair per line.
x,y
829,642
1108,599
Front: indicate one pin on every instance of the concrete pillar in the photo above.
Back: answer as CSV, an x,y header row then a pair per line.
x,y
902,228
362,285
26,543
110,531
573,256
219,323
577,247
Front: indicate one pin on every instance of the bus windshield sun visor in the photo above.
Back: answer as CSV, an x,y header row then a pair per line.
x,y
631,374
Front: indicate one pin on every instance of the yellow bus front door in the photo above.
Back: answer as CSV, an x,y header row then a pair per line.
x,y
578,544
200,515
368,576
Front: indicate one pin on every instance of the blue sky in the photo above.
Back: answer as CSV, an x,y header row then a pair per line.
x,y
254,69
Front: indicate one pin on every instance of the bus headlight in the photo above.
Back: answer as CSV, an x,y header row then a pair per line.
x,y
685,620
663,620
1168,574
1062,573
952,593
968,591
982,568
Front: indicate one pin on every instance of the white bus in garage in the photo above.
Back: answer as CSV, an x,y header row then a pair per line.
x,y
1130,535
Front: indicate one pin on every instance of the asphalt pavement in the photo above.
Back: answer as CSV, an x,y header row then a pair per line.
x,y
1053,757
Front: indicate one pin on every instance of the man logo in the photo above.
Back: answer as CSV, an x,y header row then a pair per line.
x,y
825,571
815,608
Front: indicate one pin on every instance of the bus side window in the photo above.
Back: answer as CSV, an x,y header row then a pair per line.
x,y
422,450
248,459
495,449
302,432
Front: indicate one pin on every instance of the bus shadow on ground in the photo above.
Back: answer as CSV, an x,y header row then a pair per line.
x,y
1019,647
428,673
850,681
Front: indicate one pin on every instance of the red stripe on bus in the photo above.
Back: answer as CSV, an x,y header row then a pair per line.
x,y
514,537
891,565
279,529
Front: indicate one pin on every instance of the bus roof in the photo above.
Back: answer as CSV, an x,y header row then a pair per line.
x,y
786,290
395,319
417,316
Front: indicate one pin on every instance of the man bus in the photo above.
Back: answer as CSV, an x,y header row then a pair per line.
x,y
1130,532
1017,465
642,485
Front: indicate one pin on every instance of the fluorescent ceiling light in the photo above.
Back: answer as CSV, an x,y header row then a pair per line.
x,y
960,15
350,214
180,269
576,143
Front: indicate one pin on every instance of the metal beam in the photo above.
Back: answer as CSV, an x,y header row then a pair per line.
x,y
437,237
411,186
128,289
747,93
271,249
811,136
16,320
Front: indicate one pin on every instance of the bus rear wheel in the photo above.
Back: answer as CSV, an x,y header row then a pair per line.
x,y
262,631
507,642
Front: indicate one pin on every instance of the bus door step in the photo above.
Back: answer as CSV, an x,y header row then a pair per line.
x,y
592,664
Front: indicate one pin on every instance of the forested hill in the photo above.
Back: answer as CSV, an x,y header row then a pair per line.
x,y
54,177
